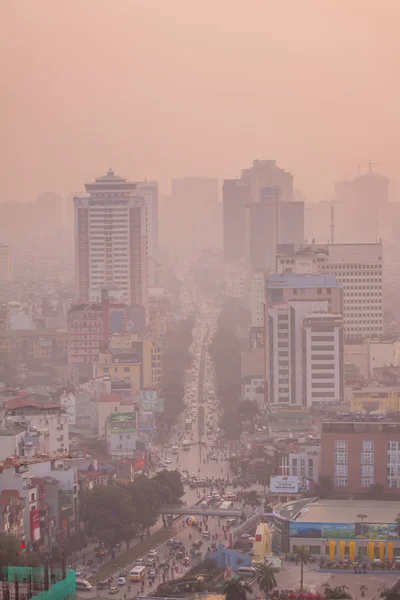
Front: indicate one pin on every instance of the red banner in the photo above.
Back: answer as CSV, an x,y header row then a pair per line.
x,y
138,464
35,525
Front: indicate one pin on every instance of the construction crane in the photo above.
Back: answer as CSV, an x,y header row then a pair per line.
x,y
12,462
371,164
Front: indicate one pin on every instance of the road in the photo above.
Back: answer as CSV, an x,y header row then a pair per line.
x,y
197,459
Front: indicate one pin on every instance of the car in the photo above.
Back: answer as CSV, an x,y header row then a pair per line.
x,y
113,590
168,461
171,542
152,574
150,562
121,580
103,585
139,562
80,571
206,535
152,554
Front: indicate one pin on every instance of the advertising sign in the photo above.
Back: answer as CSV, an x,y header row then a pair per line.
x,y
148,396
337,531
138,464
146,420
376,531
123,422
282,485
35,525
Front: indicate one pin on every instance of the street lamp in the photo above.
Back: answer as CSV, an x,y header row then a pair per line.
x,y
362,517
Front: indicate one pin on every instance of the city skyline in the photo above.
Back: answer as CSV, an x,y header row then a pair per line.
x,y
206,111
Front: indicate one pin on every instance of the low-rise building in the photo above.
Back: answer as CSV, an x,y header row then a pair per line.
x,y
12,508
44,416
376,398
122,435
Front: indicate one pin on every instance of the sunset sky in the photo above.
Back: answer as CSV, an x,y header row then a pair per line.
x,y
168,88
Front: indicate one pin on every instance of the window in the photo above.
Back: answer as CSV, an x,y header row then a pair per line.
x,y
127,369
367,470
341,457
341,481
367,458
367,446
367,481
341,445
340,469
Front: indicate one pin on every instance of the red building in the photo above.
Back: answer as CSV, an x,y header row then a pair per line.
x,y
357,454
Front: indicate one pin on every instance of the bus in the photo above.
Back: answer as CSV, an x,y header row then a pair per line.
x,y
138,573
225,505
186,444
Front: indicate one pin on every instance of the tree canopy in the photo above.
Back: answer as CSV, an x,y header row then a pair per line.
x,y
11,554
265,577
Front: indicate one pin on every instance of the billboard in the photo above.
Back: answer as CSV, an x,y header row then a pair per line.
x,y
35,525
282,485
146,420
376,531
149,401
139,464
123,422
337,531
148,396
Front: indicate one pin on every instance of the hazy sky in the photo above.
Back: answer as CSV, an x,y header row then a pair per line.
x,y
167,88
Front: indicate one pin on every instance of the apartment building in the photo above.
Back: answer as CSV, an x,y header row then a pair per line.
x,y
111,239
323,365
359,453
257,299
359,268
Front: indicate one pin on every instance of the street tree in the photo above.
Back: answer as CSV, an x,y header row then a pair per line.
x,y
109,515
302,555
265,577
236,589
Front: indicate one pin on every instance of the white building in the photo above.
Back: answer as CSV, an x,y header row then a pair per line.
x,y
111,248
359,267
122,435
323,358
288,383
149,191
68,401
257,296
49,419
304,462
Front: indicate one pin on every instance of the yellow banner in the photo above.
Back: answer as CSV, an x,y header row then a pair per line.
x,y
332,550
342,547
381,551
352,550
371,551
390,551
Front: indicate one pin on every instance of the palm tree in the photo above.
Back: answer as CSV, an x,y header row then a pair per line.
x,y
265,577
392,593
336,593
302,555
236,589
363,589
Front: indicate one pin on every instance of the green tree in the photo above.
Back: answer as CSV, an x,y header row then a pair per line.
x,y
147,497
265,577
302,554
338,592
392,593
236,589
172,482
108,514
11,554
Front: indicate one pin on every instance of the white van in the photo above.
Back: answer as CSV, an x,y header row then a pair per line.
x,y
247,572
83,585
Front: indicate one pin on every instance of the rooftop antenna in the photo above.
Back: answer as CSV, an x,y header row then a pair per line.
x,y
371,164
332,226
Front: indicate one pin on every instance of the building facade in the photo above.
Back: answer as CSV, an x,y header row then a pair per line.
x,y
111,247
323,362
357,454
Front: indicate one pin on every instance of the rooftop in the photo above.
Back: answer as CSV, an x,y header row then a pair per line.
x,y
10,431
302,281
110,397
346,511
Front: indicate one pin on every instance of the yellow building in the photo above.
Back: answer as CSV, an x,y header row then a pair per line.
x,y
382,398
129,358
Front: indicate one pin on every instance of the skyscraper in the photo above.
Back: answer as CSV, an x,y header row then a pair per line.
x,y
265,173
236,195
111,240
